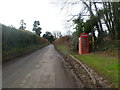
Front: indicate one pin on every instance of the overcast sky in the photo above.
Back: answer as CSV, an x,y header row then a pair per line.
x,y
50,16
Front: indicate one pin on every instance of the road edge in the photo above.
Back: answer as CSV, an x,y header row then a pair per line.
x,y
97,80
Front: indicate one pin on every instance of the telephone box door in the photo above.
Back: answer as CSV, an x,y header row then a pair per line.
x,y
83,44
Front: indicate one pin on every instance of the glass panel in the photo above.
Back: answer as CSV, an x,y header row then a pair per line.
x,y
84,44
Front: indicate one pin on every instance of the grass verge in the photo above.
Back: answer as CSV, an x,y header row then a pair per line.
x,y
105,66
63,49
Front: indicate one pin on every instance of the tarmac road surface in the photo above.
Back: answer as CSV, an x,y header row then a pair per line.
x,y
43,68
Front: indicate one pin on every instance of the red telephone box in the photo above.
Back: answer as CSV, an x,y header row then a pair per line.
x,y
83,44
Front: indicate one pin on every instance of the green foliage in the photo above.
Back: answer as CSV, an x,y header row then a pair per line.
x,y
74,41
75,36
49,37
13,38
90,24
108,15
108,45
79,25
83,27
36,28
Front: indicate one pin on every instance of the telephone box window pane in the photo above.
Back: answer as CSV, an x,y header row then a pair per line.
x,y
84,44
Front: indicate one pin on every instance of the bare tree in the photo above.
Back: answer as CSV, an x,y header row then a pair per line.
x,y
57,34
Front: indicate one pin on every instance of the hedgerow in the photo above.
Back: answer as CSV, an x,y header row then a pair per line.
x,y
15,39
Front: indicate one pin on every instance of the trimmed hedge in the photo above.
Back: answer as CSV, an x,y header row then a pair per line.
x,y
15,39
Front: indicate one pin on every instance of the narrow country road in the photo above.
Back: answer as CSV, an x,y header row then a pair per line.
x,y
41,69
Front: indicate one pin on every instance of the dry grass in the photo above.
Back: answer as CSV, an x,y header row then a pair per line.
x,y
63,41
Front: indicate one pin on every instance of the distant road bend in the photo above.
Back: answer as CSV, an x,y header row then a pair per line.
x,y
41,69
